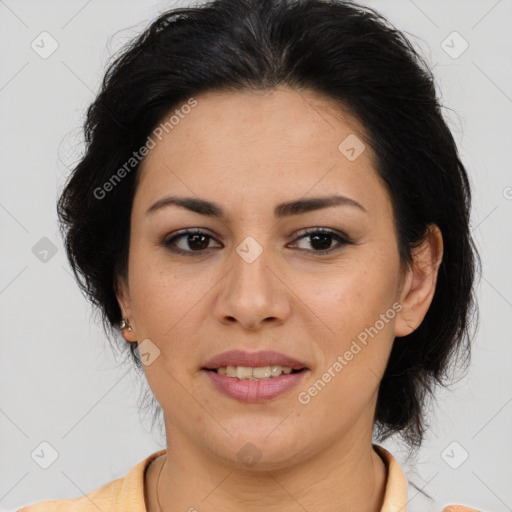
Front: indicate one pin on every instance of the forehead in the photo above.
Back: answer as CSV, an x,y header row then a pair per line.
x,y
251,144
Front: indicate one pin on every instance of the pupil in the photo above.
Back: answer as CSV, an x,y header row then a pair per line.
x,y
325,237
194,238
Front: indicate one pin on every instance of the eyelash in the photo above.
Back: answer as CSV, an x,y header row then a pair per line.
x,y
342,239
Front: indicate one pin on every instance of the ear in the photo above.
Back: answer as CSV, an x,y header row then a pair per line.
x,y
123,298
420,282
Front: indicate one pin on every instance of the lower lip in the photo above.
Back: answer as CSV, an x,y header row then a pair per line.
x,y
255,390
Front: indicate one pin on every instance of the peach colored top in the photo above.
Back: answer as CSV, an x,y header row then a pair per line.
x,y
127,494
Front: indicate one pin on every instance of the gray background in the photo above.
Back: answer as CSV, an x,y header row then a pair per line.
x,y
60,383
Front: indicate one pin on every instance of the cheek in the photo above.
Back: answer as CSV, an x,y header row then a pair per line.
x,y
159,295
167,309
349,297
355,306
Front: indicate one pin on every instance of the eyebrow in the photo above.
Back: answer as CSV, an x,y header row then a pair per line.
x,y
286,209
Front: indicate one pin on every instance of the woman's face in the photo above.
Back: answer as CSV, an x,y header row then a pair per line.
x,y
255,278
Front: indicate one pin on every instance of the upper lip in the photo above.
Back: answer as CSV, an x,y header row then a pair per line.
x,y
253,359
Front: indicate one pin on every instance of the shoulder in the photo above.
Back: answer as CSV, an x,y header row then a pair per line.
x,y
124,494
103,498
398,488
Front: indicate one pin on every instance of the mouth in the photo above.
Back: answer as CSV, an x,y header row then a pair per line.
x,y
254,376
243,365
255,373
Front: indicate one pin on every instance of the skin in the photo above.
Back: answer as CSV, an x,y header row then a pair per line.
x,y
249,151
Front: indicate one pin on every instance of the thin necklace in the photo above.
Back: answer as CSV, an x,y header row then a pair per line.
x,y
157,481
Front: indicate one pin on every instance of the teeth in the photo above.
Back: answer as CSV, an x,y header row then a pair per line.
x,y
263,372
249,373
243,372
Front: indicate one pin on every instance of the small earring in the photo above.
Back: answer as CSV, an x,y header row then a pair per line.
x,y
124,324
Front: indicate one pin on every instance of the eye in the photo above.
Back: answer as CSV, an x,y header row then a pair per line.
x,y
199,241
195,238
322,239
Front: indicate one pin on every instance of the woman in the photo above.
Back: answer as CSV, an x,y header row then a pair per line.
x,y
227,142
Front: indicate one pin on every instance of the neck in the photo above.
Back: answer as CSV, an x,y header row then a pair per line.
x,y
347,475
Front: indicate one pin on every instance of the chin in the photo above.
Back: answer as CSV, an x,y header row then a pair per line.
x,y
262,449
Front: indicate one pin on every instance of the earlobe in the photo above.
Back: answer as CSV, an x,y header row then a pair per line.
x,y
403,322
123,298
420,282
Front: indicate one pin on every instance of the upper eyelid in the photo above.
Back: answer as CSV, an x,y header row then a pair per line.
x,y
302,233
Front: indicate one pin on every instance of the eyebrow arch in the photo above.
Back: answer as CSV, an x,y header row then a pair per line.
x,y
286,209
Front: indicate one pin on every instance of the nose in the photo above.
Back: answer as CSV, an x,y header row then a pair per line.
x,y
253,292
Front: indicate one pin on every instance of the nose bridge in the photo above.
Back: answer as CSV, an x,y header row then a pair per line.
x,y
252,292
251,261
